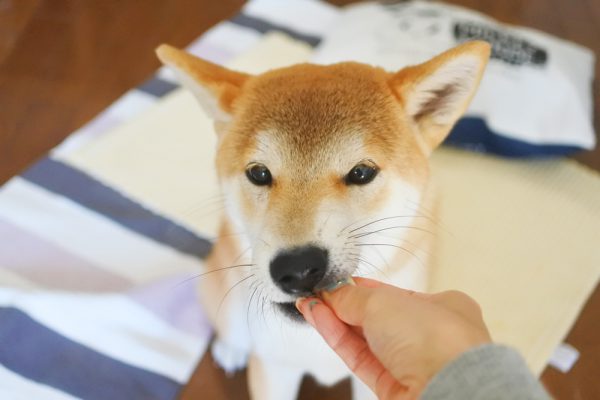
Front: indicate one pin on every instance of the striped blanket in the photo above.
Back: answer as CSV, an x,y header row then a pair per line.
x,y
95,301
97,290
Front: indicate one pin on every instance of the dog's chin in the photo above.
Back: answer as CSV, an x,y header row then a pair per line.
x,y
289,310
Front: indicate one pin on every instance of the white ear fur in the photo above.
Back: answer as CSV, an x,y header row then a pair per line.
x,y
436,93
444,95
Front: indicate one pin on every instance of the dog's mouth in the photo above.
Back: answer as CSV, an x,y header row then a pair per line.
x,y
289,309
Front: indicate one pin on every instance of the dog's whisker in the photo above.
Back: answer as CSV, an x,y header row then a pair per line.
x,y
385,219
263,300
418,228
382,271
419,206
396,246
207,199
353,254
357,221
255,284
373,266
230,290
215,238
432,215
361,220
264,242
206,212
348,258
203,204
211,272
359,259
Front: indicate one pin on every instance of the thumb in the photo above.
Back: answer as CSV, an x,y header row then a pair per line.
x,y
349,302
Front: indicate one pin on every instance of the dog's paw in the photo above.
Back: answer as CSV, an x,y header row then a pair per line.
x,y
229,357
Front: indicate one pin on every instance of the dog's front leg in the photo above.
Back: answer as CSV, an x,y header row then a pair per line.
x,y
269,380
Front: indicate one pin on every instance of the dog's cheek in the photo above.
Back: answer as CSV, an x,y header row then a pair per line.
x,y
384,210
235,209
246,205
253,203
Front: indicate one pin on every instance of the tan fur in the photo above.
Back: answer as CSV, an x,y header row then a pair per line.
x,y
225,84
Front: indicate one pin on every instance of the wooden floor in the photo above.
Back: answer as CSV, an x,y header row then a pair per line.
x,y
63,61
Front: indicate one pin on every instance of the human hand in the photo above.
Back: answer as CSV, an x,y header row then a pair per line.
x,y
395,340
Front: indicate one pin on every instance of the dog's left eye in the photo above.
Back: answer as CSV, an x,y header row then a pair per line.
x,y
361,174
259,174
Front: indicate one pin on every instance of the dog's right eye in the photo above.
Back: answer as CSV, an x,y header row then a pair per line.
x,y
259,174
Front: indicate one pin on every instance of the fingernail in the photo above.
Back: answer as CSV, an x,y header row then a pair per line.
x,y
338,284
311,303
298,301
307,313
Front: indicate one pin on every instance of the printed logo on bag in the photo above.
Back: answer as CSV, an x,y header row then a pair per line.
x,y
505,47
427,22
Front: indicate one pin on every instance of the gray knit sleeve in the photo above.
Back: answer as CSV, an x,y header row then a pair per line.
x,y
490,372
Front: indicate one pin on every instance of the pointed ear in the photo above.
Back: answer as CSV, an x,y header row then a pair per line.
x,y
215,87
436,93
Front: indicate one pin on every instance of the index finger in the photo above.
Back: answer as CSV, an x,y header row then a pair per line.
x,y
351,348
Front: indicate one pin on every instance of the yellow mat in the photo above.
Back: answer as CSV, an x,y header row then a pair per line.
x,y
522,237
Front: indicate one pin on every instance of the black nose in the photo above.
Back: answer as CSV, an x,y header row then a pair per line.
x,y
299,270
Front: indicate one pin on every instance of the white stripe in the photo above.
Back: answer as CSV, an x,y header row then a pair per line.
x,y
130,104
87,133
228,37
16,387
89,235
312,17
10,279
115,326
167,74
127,106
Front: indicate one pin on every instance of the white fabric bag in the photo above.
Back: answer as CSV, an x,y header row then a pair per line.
x,y
535,97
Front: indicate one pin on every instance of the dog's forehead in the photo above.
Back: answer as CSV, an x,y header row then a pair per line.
x,y
314,109
318,100
332,155
314,114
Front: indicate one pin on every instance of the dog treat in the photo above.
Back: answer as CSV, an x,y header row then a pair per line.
x,y
331,287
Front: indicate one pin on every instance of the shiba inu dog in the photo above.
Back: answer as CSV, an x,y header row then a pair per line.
x,y
324,173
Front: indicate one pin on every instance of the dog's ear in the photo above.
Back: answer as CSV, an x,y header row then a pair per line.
x,y
436,93
215,87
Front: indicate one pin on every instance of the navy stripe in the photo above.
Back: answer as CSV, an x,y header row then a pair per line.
x,y
264,26
472,133
157,87
40,354
85,190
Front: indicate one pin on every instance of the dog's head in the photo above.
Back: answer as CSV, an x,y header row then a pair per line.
x,y
312,159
